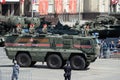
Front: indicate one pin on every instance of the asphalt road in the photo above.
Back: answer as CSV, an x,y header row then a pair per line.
x,y
101,69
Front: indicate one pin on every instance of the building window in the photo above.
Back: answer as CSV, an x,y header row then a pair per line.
x,y
51,1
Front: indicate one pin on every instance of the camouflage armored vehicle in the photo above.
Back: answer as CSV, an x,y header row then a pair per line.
x,y
28,49
106,26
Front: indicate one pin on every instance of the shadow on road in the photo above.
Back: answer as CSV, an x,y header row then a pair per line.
x,y
46,67
40,66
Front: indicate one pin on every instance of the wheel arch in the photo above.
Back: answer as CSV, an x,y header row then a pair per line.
x,y
50,53
26,52
79,54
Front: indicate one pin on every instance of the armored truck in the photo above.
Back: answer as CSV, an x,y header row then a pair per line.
x,y
55,50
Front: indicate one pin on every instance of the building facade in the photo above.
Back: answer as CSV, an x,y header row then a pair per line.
x,y
10,7
67,10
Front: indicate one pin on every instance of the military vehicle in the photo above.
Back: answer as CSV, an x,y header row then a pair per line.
x,y
32,20
8,23
12,23
17,24
53,49
105,19
59,29
106,26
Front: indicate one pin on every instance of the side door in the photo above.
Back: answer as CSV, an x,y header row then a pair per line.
x,y
24,43
83,44
40,42
40,46
56,43
86,45
67,42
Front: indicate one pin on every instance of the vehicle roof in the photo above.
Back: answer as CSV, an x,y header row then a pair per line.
x,y
51,35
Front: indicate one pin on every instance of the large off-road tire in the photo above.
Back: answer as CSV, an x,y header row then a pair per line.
x,y
23,60
54,61
77,62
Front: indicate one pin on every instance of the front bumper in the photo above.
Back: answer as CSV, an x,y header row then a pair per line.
x,y
91,58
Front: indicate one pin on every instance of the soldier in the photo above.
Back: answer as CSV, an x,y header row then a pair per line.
x,y
118,44
15,72
112,47
32,29
44,29
87,27
105,48
77,26
18,28
67,69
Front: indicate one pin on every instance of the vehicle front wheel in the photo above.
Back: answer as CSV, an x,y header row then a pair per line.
x,y
54,61
77,62
23,59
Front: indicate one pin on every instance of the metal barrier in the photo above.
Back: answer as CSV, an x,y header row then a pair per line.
x,y
24,75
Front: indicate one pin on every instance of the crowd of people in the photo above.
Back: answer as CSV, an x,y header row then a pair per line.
x,y
108,48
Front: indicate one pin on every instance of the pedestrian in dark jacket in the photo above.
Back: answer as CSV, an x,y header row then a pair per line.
x,y
67,70
118,45
112,46
105,48
15,72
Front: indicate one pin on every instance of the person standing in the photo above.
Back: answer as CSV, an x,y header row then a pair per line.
x,y
105,48
15,72
118,44
67,70
44,29
112,46
32,29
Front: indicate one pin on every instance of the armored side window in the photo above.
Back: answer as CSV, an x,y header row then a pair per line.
x,y
67,43
41,40
85,42
52,43
24,39
76,41
11,39
58,41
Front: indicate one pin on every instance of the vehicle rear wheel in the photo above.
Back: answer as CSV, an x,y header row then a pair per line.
x,y
23,59
77,62
54,61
